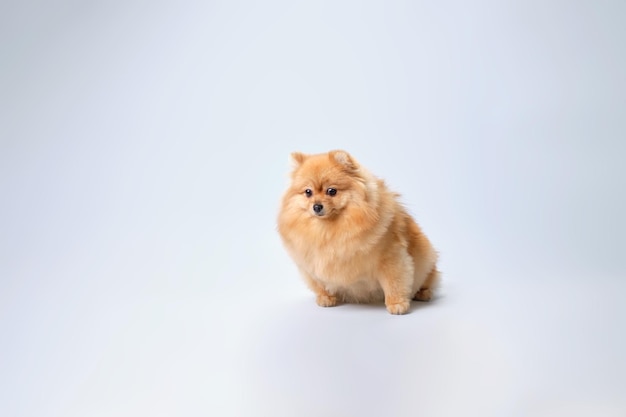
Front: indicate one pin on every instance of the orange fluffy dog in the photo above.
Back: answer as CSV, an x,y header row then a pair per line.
x,y
350,237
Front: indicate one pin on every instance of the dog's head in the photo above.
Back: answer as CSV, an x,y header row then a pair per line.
x,y
325,184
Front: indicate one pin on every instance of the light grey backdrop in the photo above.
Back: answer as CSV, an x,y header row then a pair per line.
x,y
143,151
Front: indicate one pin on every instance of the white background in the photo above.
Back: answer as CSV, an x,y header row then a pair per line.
x,y
143,152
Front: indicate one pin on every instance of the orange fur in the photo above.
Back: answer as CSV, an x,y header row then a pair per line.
x,y
360,245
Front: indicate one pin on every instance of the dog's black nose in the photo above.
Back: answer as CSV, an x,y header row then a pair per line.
x,y
318,208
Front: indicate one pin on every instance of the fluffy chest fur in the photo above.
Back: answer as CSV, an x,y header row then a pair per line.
x,y
341,252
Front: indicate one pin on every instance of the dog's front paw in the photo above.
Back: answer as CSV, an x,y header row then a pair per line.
x,y
401,307
326,300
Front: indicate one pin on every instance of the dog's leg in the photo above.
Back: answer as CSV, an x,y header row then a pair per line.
x,y
322,297
426,291
395,280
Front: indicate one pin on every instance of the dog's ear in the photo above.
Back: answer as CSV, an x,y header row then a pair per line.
x,y
296,159
344,159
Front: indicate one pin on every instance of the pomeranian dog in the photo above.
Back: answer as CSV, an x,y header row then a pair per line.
x,y
351,238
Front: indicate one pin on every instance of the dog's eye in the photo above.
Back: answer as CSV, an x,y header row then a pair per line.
x,y
308,192
331,191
